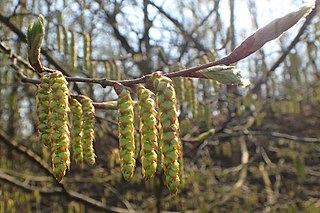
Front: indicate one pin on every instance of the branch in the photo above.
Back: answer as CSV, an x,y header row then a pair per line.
x,y
293,43
246,48
27,187
256,133
144,65
284,136
73,195
46,53
180,27
26,152
14,56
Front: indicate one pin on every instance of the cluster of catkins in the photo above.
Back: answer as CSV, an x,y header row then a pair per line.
x,y
159,129
54,108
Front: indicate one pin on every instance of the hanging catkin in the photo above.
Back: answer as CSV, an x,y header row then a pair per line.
x,y
148,130
179,83
86,50
74,62
65,41
88,119
59,38
43,101
59,31
116,71
59,106
107,69
76,130
169,132
126,131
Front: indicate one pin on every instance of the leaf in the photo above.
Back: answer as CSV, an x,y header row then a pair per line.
x,y
35,36
265,34
225,75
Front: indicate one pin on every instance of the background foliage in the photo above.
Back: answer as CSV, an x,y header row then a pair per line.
x,y
263,156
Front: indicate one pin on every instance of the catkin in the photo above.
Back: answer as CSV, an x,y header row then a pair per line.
x,y
194,101
116,70
126,131
149,132
169,132
88,119
59,38
74,62
76,130
43,100
86,50
65,41
107,68
179,83
59,123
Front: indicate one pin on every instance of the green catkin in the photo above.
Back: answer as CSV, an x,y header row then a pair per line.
x,y
117,71
126,132
159,152
74,62
148,130
43,100
93,69
60,125
179,83
88,119
169,132
194,101
76,130
187,93
107,69
86,50
59,38
59,31
111,70
65,41
190,94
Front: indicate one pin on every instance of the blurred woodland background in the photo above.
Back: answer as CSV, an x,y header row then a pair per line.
x,y
246,149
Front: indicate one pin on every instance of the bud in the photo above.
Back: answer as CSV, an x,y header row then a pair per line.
x,y
35,36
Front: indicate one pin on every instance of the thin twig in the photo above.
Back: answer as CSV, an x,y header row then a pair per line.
x,y
258,133
286,52
73,195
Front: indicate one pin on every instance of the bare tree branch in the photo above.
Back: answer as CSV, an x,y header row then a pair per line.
x,y
293,43
198,45
73,195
